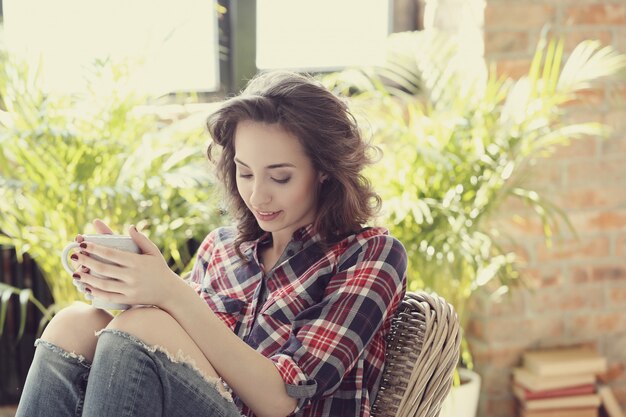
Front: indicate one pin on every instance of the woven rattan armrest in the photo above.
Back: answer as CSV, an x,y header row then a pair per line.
x,y
422,352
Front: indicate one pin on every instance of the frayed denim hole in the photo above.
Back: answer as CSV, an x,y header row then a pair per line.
x,y
180,358
72,356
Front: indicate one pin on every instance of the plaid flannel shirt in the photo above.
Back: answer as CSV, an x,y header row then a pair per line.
x,y
325,315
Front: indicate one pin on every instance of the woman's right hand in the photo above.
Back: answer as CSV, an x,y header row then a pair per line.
x,y
101,228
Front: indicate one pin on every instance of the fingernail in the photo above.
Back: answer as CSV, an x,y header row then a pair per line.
x,y
76,276
83,245
134,228
88,290
84,269
74,257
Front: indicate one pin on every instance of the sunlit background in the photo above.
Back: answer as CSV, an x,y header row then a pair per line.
x,y
175,45
322,35
175,48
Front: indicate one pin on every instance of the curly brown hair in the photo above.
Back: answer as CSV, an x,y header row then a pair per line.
x,y
327,131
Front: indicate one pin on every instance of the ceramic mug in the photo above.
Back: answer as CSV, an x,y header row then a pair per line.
x,y
119,242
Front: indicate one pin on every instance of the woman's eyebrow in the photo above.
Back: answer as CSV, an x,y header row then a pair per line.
x,y
272,166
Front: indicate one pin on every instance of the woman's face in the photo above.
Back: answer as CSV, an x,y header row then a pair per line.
x,y
275,178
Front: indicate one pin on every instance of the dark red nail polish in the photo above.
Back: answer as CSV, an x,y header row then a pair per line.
x,y
74,257
88,290
84,269
83,245
76,276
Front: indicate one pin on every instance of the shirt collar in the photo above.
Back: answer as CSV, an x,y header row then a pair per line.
x,y
304,237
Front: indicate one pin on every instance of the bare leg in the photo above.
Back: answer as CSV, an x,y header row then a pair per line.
x,y
73,329
57,379
155,327
146,364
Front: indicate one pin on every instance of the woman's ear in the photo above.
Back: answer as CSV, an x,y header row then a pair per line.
x,y
321,177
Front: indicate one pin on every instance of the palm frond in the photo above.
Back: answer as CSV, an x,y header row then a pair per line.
x,y
24,297
589,62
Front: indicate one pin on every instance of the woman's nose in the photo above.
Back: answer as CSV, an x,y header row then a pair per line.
x,y
260,195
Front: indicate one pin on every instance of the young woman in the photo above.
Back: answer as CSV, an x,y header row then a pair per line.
x,y
286,314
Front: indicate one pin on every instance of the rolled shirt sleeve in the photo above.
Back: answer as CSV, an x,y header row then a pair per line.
x,y
328,338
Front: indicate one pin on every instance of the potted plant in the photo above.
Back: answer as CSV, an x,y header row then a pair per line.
x,y
457,143
67,159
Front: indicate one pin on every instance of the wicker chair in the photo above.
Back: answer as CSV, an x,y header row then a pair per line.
x,y
422,352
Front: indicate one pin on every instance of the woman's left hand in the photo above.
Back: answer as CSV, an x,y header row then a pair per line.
x,y
143,278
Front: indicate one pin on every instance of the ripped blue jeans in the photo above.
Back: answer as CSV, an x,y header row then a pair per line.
x,y
126,378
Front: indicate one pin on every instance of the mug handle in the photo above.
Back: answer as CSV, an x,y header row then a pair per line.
x,y
64,254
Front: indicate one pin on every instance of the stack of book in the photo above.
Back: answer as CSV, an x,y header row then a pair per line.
x,y
559,383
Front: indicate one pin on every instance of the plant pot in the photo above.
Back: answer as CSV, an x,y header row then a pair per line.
x,y
462,401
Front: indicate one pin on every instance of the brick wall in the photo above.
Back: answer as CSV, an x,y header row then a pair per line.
x,y
578,290
580,284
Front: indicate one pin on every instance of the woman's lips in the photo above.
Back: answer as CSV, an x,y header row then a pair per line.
x,y
267,216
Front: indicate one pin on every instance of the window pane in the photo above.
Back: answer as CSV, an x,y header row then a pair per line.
x,y
176,42
321,34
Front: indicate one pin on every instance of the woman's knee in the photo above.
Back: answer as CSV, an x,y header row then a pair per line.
x,y
157,328
73,328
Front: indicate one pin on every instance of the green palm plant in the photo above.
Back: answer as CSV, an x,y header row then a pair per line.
x,y
25,295
67,159
458,142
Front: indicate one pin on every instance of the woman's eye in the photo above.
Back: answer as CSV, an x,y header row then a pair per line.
x,y
282,180
245,175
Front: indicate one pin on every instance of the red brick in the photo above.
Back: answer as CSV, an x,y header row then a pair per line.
x,y
605,172
599,221
608,273
517,15
620,247
580,274
513,68
518,331
547,171
537,278
585,248
522,257
590,98
510,304
561,299
617,296
584,147
542,328
595,324
527,225
487,357
506,41
603,14
587,197
616,96
617,119
620,40
615,146
574,117
577,35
